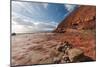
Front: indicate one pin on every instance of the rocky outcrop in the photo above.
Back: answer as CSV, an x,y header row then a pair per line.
x,y
74,54
83,17
68,54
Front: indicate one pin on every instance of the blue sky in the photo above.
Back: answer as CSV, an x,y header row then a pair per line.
x,y
29,17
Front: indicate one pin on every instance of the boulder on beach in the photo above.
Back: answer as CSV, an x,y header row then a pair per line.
x,y
64,46
74,54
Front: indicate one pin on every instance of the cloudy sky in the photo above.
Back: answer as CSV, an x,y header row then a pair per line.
x,y
29,17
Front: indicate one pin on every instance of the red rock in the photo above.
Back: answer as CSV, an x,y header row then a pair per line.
x,y
83,17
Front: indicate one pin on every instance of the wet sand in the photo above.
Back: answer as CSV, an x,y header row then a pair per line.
x,y
39,48
32,48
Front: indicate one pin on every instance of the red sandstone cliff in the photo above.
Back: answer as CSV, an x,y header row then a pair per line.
x,y
83,17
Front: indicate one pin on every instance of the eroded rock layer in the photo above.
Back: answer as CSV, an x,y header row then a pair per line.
x,y
83,17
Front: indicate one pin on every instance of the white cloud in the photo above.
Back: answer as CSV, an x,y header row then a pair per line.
x,y
22,23
25,26
30,8
69,7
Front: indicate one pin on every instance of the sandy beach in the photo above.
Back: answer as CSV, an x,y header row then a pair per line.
x,y
40,48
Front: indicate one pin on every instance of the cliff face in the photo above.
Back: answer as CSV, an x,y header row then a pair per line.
x,y
83,17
